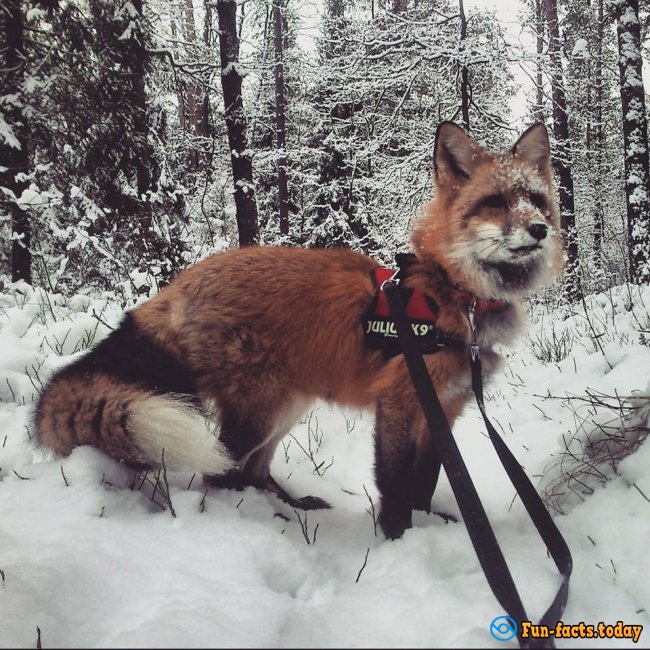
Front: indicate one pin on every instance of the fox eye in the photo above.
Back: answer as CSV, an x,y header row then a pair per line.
x,y
538,200
495,201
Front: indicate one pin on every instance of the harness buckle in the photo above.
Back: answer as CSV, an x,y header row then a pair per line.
x,y
392,280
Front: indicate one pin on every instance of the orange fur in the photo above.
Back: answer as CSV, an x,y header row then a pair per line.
x,y
263,332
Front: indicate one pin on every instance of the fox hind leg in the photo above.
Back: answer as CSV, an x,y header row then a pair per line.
x,y
257,473
253,442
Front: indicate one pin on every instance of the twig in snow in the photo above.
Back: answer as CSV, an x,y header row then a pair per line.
x,y
365,561
371,512
640,492
102,321
11,390
167,494
202,504
304,526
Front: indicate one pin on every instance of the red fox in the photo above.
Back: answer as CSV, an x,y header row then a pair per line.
x,y
218,366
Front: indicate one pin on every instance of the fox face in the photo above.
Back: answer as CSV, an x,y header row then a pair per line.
x,y
493,224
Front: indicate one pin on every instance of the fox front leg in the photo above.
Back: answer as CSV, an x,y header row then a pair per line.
x,y
395,451
426,473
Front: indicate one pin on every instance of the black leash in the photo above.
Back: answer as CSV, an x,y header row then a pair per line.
x,y
478,526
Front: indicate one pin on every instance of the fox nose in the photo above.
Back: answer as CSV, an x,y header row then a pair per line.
x,y
538,230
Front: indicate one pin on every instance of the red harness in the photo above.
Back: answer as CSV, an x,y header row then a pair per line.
x,y
418,307
422,310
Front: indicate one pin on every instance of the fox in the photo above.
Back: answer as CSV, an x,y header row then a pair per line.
x,y
211,373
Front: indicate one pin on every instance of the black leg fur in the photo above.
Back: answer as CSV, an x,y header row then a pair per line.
x,y
394,469
427,471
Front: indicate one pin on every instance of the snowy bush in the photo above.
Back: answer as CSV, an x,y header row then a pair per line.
x,y
612,428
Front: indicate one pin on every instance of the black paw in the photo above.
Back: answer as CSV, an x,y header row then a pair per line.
x,y
304,503
310,503
423,505
394,521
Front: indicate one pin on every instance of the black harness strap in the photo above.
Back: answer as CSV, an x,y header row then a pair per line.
x,y
478,526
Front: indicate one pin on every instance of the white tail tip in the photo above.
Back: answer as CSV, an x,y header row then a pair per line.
x,y
190,441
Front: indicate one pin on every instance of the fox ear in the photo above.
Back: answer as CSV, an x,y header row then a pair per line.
x,y
454,152
533,148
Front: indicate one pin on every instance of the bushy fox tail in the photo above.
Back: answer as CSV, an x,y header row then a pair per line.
x,y
130,423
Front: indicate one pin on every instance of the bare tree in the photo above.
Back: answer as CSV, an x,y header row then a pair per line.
x,y
236,124
599,136
139,58
562,161
464,73
539,48
635,139
14,155
280,118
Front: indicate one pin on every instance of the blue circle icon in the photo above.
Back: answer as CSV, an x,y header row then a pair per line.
x,y
503,628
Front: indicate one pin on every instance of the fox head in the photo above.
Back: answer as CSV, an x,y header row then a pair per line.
x,y
493,224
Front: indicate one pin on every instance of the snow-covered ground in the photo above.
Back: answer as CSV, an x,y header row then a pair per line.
x,y
91,554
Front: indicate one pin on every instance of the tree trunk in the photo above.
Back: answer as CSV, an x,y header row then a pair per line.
x,y
600,141
14,154
280,120
242,166
464,74
192,89
178,82
144,153
562,161
635,140
539,82
204,119
197,104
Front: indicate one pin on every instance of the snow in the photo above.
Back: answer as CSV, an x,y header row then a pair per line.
x,y
34,14
7,134
638,196
93,557
232,67
581,49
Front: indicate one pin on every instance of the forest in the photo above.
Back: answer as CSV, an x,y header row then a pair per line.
x,y
138,137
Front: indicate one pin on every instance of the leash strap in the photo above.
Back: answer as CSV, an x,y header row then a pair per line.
x,y
548,531
478,526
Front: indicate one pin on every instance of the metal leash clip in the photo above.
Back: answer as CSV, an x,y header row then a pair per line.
x,y
392,280
474,349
